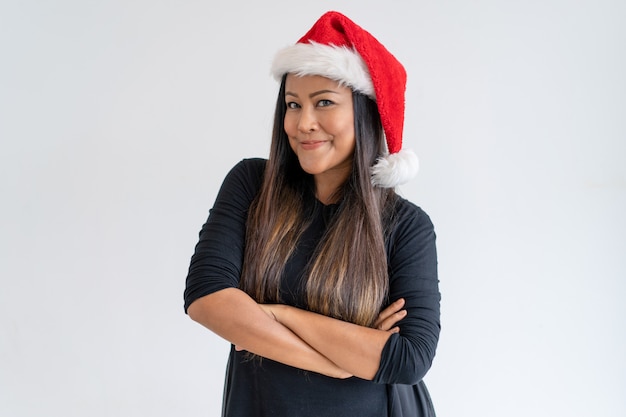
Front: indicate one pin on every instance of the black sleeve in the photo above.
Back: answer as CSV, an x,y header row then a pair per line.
x,y
408,355
216,262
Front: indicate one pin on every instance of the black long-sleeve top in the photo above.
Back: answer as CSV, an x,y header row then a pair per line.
x,y
268,388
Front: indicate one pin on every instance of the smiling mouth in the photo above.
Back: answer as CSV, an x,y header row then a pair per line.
x,y
311,144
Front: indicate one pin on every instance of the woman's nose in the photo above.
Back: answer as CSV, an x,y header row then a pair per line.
x,y
307,122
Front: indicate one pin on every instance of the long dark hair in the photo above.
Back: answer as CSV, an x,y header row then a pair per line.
x,y
347,277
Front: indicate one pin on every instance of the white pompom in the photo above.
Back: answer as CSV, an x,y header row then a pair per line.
x,y
395,169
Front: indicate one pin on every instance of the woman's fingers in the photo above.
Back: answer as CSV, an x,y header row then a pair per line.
x,y
390,316
393,308
391,321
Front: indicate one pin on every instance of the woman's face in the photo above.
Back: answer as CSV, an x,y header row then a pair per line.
x,y
320,125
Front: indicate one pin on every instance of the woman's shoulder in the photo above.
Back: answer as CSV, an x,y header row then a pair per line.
x,y
405,210
411,229
249,170
245,177
253,167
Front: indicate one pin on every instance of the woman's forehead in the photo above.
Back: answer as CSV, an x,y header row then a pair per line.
x,y
313,82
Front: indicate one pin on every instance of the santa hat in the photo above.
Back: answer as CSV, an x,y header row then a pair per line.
x,y
337,48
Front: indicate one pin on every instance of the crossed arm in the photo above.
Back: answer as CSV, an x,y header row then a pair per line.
x,y
296,337
306,340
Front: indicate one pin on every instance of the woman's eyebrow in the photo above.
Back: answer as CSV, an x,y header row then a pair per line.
x,y
316,93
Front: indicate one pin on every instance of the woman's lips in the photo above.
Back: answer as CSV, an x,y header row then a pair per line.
x,y
311,144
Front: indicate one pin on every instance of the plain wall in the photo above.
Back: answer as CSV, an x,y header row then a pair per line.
x,y
119,120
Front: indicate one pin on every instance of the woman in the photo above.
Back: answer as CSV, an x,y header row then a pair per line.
x,y
302,254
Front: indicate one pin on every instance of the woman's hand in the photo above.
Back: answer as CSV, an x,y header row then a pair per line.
x,y
388,318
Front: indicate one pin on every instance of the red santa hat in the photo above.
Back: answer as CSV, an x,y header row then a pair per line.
x,y
337,48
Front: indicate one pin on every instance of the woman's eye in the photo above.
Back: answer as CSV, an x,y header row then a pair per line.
x,y
292,105
324,103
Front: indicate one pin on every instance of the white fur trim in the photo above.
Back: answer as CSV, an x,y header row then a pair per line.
x,y
338,63
395,169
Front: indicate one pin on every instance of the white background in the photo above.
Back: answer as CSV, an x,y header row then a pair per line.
x,y
119,120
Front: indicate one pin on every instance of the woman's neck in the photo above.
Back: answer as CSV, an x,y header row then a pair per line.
x,y
328,183
327,190
327,197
